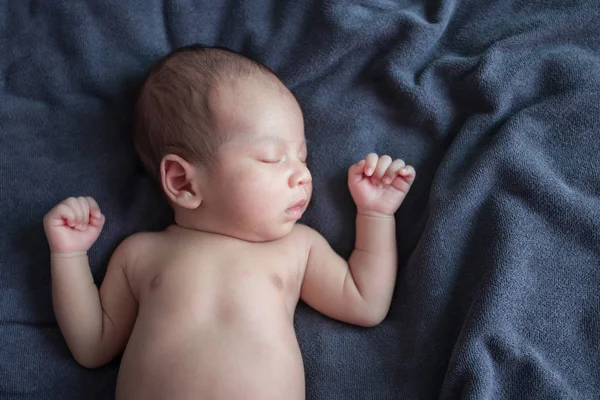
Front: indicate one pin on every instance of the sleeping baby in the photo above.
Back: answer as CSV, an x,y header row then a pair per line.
x,y
204,309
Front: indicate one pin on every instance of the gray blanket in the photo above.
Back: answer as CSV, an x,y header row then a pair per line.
x,y
496,104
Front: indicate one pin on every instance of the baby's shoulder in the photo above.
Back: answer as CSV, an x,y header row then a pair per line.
x,y
141,243
303,234
141,240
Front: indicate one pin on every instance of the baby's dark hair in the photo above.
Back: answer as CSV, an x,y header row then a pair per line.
x,y
172,113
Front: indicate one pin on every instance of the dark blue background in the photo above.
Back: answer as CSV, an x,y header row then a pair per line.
x,y
496,104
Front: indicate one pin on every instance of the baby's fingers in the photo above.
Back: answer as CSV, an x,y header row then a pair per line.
x,y
357,169
74,205
85,208
60,215
96,217
97,222
408,173
405,179
393,171
94,207
371,163
383,164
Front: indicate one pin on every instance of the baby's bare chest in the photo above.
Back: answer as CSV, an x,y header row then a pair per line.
x,y
208,313
228,281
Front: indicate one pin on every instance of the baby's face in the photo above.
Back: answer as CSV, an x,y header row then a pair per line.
x,y
261,183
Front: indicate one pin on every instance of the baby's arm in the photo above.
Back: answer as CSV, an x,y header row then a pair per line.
x,y
360,291
95,323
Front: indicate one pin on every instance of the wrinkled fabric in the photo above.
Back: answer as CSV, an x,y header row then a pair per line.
x,y
495,103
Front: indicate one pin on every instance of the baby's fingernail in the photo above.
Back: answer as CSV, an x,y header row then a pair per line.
x,y
387,180
369,171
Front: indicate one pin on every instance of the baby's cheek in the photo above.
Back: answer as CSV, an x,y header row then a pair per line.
x,y
255,193
309,189
260,189
248,174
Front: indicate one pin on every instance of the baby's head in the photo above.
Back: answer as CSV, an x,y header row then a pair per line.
x,y
225,139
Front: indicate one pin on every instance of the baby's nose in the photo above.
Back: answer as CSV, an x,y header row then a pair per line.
x,y
301,177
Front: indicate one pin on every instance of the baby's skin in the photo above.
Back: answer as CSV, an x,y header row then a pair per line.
x,y
204,309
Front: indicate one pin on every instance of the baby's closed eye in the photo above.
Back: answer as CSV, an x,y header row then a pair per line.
x,y
279,158
272,159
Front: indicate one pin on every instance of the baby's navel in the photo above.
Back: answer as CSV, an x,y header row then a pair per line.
x,y
155,282
277,281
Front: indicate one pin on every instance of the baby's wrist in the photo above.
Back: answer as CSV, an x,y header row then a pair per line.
x,y
373,214
71,254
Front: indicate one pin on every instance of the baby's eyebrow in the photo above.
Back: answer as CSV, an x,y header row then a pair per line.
x,y
273,139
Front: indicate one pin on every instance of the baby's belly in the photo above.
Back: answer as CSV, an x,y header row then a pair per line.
x,y
212,359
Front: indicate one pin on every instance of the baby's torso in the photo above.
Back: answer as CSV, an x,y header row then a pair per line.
x,y
215,320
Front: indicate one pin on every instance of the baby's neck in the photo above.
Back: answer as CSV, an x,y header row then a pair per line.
x,y
194,231
209,224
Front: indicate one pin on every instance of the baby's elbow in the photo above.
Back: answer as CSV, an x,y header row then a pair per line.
x,y
370,318
87,362
88,359
372,322
90,365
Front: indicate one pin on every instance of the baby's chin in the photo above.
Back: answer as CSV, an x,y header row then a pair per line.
x,y
266,234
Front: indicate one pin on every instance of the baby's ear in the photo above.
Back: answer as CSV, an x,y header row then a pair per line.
x,y
179,181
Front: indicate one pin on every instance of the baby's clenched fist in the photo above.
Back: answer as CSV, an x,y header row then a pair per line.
x,y
73,225
379,184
